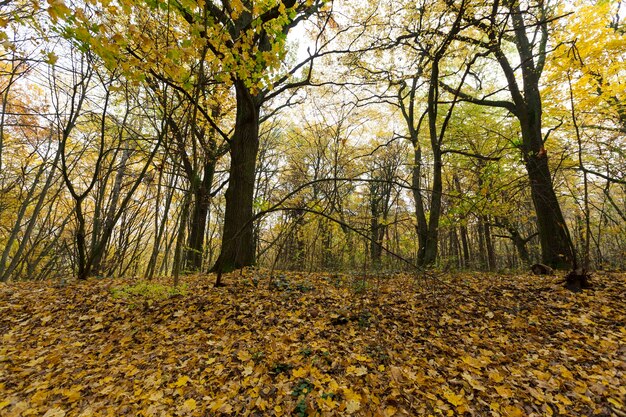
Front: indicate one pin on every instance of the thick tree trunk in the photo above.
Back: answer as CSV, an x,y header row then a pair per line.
x,y
238,249
556,246
376,239
180,239
430,251
556,243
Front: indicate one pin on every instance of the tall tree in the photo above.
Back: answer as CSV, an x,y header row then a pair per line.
x,y
525,27
256,39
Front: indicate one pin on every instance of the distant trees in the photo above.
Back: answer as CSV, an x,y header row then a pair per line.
x,y
166,137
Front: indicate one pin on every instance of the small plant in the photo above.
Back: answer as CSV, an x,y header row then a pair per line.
x,y
330,395
360,286
149,290
306,352
300,409
378,353
280,282
304,288
279,368
335,280
364,318
257,356
303,387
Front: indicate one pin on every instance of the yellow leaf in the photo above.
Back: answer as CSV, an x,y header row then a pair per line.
x,y
543,376
548,410
300,373
73,394
4,404
39,397
156,396
190,404
351,395
361,358
474,383
563,399
360,371
247,371
504,391
390,411
51,58
513,411
454,399
566,373
352,406
244,355
495,376
182,381
54,412
476,362
616,403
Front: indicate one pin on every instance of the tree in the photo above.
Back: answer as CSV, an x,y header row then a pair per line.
x,y
526,28
384,170
256,35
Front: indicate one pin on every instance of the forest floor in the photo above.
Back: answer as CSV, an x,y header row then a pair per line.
x,y
314,344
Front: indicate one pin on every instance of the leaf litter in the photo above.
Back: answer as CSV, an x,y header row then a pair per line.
x,y
315,344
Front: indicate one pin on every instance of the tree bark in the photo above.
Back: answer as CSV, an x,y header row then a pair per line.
x,y
200,212
420,212
556,244
491,255
238,249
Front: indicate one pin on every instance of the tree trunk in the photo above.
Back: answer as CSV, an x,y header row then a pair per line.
x,y
200,212
491,256
81,245
5,273
420,211
556,245
100,248
180,238
430,251
159,228
520,245
238,249
376,229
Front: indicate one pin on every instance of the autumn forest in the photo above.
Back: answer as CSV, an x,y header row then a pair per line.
x,y
312,207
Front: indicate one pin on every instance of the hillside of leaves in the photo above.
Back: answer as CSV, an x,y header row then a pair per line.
x,y
314,344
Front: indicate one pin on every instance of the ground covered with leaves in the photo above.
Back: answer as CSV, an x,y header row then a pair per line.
x,y
314,344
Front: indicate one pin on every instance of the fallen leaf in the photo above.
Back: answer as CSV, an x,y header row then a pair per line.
x,y
504,391
54,412
182,381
